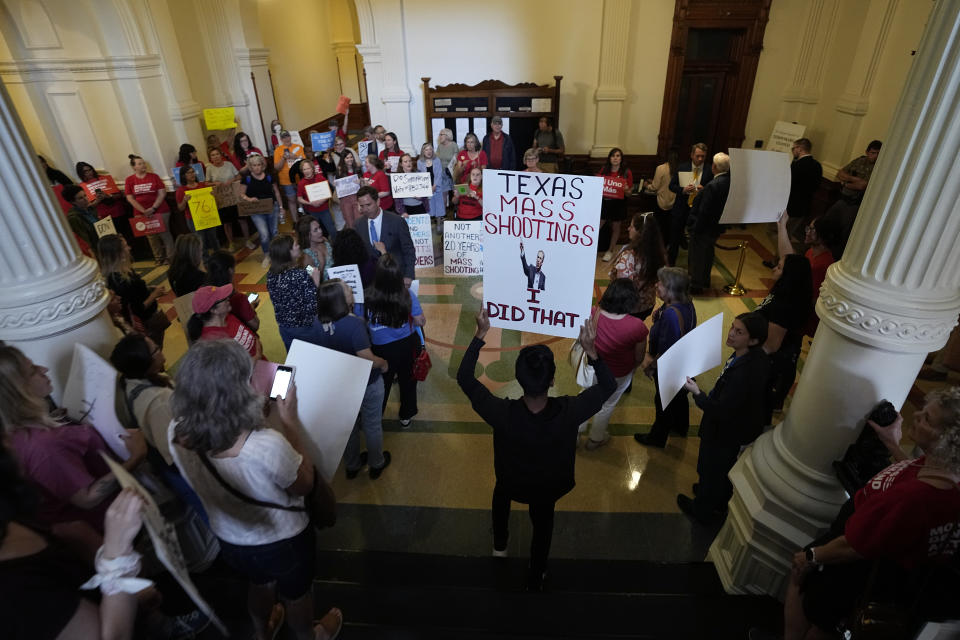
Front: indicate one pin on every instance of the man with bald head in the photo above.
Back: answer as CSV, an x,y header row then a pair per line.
x,y
706,227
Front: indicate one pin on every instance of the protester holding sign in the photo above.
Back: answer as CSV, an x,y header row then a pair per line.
x,y
471,156
391,150
348,171
220,172
622,343
139,301
319,209
187,156
189,180
617,181
234,461
375,177
534,437
260,186
733,416
673,320
146,194
470,205
284,157
439,179
60,456
410,206
640,261
103,194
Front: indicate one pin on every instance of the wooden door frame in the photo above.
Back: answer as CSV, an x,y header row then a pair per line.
x,y
749,15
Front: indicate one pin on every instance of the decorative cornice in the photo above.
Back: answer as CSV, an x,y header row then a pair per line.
x,y
80,69
853,105
55,309
801,94
252,57
610,94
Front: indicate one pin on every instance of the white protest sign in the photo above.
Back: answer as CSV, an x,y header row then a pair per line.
x,y
685,178
295,138
540,237
784,133
90,397
318,191
393,162
328,417
163,535
105,227
691,355
759,186
363,149
349,273
422,237
463,248
347,186
411,185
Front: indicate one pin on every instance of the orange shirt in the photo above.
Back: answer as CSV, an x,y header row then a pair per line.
x,y
283,168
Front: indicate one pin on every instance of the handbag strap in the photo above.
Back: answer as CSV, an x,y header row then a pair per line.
x,y
679,318
236,493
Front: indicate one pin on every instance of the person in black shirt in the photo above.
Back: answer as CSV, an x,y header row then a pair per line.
x,y
787,309
732,417
534,437
186,273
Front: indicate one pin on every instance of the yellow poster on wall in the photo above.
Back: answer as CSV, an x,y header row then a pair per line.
x,y
203,208
220,119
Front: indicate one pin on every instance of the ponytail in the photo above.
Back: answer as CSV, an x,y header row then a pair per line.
x,y
195,326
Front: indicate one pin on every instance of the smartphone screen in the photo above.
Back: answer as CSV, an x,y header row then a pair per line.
x,y
281,382
253,297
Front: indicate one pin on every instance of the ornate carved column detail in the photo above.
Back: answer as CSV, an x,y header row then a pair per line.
x,y
53,296
893,298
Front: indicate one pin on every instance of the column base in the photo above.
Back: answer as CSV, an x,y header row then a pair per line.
x,y
778,506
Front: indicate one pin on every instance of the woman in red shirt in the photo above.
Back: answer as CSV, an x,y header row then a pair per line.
x,y
614,207
348,204
242,147
471,156
319,209
145,193
821,236
212,320
470,205
207,236
392,150
106,204
376,178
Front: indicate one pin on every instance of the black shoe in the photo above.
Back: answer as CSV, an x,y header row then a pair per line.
x,y
769,264
535,582
696,488
376,471
686,504
352,473
678,433
689,507
644,439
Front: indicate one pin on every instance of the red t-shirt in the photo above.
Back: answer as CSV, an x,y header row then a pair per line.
x,y
626,178
236,162
616,340
903,519
496,152
144,191
469,165
62,461
241,307
392,154
469,208
381,183
182,191
302,193
234,330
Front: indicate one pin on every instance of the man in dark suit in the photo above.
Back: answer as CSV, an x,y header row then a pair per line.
x,y
805,176
385,232
535,277
705,216
685,196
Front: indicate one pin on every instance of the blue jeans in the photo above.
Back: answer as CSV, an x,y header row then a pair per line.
x,y
207,236
266,224
370,422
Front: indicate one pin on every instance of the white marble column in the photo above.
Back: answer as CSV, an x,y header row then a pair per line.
x,y
53,296
611,87
892,299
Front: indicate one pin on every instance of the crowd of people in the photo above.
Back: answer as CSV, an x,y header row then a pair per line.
x,y
204,433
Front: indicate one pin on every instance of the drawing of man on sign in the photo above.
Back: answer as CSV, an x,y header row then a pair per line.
x,y
535,277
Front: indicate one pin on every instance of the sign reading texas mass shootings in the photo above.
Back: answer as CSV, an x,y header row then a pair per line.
x,y
540,236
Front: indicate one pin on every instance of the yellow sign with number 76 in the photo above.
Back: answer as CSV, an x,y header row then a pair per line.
x,y
203,208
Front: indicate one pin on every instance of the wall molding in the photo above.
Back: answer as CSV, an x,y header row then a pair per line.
x,y
81,69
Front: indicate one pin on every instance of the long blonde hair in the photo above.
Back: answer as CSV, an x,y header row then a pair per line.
x,y
113,256
19,408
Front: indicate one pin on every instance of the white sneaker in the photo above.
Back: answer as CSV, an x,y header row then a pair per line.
x,y
499,553
405,424
608,256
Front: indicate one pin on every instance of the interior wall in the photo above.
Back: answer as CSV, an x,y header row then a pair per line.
x,y
303,65
647,57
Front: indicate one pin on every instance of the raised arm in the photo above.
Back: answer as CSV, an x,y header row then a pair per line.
x,y
784,246
483,402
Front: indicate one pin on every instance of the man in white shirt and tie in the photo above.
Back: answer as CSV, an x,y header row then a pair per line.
x,y
686,194
385,232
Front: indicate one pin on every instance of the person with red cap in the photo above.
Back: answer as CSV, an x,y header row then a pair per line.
x,y
212,320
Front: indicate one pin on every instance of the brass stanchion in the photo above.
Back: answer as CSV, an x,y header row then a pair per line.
x,y
736,289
